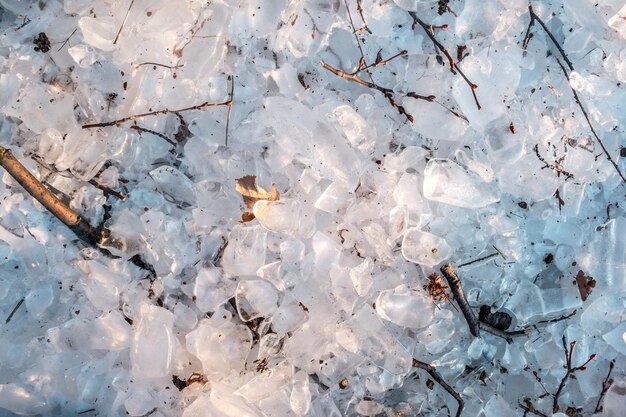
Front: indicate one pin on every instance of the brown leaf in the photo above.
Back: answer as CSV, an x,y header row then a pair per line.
x,y
585,284
251,193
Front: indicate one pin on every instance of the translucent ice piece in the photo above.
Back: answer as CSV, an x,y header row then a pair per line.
x,y
19,399
245,252
256,298
354,127
365,335
153,346
266,383
561,231
300,398
447,182
407,192
424,248
282,216
99,32
174,185
39,299
362,277
211,289
617,338
529,302
498,407
220,403
405,307
220,347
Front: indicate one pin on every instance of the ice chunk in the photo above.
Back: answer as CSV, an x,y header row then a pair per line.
x,y
256,298
434,121
211,289
618,22
365,335
407,192
174,185
283,216
404,306
19,399
354,127
245,252
447,182
39,299
266,383
153,346
286,77
562,231
530,302
221,347
424,248
362,277
498,407
617,338
98,32
220,403
300,398
615,400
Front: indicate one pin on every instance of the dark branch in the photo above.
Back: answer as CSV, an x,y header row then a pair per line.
x,y
459,296
453,66
432,371
605,387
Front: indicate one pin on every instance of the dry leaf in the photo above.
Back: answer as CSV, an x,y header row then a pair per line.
x,y
251,193
585,284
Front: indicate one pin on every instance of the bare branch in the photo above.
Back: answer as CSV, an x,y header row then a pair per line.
x,y
123,22
432,371
453,66
155,113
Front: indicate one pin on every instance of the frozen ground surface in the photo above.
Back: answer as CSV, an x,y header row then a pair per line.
x,y
316,307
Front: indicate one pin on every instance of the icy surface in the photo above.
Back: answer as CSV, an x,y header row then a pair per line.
x,y
201,304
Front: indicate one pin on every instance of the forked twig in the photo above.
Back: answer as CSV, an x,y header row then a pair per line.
x,y
454,68
569,355
605,387
432,371
534,17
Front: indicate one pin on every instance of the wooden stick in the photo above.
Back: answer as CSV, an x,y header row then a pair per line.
x,y
432,371
35,188
459,296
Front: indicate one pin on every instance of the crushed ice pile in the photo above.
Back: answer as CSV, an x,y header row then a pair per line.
x,y
318,306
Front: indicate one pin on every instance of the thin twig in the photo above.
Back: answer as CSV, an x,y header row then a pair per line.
x,y
388,93
379,63
107,191
454,68
432,371
459,296
59,209
159,65
534,17
591,127
123,22
605,387
478,260
155,113
359,8
573,313
569,355
19,303
67,40
230,107
161,135
532,410
508,336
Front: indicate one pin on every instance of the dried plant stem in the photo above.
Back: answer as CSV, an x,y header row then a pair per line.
x,y
230,107
532,410
569,354
156,113
53,204
432,371
17,306
123,22
534,17
605,387
453,65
